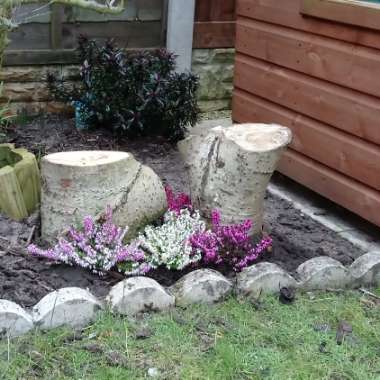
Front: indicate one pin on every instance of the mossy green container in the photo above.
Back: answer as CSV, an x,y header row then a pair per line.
x,y
20,184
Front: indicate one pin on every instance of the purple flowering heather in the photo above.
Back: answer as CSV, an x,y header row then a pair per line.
x,y
98,247
229,244
176,203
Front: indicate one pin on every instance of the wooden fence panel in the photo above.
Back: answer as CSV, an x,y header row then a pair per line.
x,y
215,10
322,80
202,10
48,34
214,24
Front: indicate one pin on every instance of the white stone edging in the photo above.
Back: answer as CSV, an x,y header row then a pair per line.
x,y
77,307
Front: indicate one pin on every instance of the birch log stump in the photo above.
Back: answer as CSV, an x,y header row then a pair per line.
x,y
77,184
230,168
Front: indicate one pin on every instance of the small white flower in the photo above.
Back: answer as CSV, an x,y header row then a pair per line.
x,y
168,245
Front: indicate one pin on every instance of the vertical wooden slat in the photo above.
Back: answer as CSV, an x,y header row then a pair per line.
x,y
222,10
202,10
164,22
56,26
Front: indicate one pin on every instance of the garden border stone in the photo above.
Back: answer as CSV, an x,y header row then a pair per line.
x,y
201,286
14,320
77,307
263,278
365,270
139,294
323,272
74,307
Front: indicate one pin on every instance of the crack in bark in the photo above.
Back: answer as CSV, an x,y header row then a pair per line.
x,y
124,199
218,163
206,172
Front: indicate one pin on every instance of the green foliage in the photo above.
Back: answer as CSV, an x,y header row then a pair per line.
x,y
8,156
5,118
136,94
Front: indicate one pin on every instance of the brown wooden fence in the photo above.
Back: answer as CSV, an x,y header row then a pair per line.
x,y
48,34
214,24
321,79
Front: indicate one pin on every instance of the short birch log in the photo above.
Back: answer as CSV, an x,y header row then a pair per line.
x,y
230,168
77,184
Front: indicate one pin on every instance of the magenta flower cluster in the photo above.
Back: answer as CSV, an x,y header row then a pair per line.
x,y
176,203
229,245
98,246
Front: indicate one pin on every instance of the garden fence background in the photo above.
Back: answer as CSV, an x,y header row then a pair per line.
x,y
48,34
46,40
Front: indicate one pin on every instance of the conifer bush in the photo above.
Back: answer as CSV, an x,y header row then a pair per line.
x,y
136,94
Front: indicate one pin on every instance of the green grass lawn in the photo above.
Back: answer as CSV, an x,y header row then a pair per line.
x,y
231,340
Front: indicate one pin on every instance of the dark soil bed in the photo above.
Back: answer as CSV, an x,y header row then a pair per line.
x,y
26,280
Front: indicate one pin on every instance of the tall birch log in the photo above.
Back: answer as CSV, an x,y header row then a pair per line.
x,y
77,184
230,168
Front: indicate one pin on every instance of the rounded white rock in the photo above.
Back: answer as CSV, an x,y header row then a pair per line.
x,y
139,294
263,278
14,320
323,272
73,307
201,286
365,270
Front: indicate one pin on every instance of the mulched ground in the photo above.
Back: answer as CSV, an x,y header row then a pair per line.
x,y
26,280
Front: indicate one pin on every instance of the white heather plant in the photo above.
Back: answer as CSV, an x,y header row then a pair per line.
x,y
168,245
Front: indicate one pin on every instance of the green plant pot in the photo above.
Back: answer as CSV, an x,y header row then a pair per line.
x,y
20,182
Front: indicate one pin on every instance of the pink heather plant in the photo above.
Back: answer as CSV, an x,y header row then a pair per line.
x,y
230,245
98,247
176,203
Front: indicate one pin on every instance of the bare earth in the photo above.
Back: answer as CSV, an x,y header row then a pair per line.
x,y
26,280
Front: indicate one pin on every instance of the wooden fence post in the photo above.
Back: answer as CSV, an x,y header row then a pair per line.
x,y
56,26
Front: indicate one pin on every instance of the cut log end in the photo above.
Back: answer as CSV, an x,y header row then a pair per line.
x,y
258,137
86,158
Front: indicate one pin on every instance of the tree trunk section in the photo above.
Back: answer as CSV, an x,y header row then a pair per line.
x,y
230,169
77,184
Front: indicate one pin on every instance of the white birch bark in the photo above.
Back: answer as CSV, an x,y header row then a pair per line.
x,y
230,168
77,184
